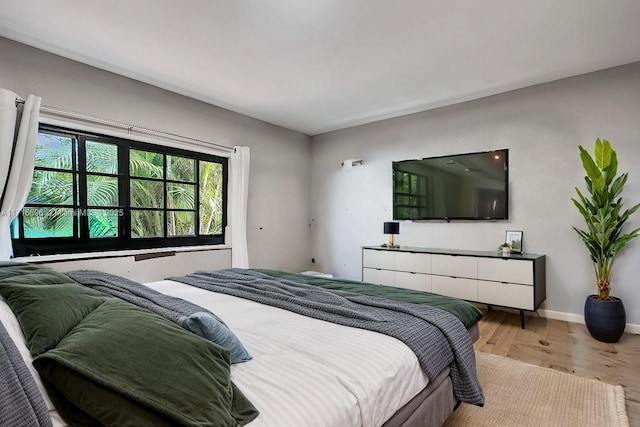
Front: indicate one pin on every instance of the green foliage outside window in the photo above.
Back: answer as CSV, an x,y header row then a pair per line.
x,y
211,209
410,195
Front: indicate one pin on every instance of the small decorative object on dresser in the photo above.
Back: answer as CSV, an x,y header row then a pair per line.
x,y
391,228
514,239
604,314
504,249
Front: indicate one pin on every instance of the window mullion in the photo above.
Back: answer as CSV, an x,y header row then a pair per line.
x,y
124,182
21,226
75,188
165,220
196,201
81,213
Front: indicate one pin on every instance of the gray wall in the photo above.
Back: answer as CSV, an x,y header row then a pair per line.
x,y
278,213
542,127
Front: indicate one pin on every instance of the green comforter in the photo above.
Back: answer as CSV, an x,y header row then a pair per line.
x,y
467,313
104,361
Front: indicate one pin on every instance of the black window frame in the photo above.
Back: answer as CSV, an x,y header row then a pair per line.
x,y
82,242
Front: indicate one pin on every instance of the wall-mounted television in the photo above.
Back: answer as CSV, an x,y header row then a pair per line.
x,y
471,186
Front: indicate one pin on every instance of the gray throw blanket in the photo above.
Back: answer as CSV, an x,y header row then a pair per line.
x,y
437,337
169,307
191,317
21,404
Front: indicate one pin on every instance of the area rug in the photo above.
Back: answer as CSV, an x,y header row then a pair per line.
x,y
521,395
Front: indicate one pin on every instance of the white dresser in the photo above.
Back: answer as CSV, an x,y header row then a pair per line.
x,y
513,281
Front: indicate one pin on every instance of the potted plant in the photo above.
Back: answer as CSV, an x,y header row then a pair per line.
x,y
504,249
604,238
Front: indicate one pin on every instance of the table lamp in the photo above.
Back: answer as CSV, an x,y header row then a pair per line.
x,y
391,228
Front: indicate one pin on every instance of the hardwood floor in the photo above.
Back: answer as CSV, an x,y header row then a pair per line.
x,y
566,347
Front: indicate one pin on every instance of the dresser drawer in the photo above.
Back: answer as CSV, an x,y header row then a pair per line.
x,y
456,266
413,262
506,270
415,281
378,277
378,259
455,287
506,294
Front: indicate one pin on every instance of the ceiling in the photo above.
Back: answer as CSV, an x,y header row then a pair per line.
x,y
320,65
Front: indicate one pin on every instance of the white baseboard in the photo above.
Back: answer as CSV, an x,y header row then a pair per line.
x,y
560,315
576,318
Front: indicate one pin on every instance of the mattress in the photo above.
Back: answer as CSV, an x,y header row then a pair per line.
x,y
328,375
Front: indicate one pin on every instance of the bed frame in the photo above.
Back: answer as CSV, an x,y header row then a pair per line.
x,y
434,404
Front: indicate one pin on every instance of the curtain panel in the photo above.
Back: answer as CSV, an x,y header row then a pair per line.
x,y
238,199
18,137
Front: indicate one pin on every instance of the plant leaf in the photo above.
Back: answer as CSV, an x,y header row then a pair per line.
x,y
602,153
591,168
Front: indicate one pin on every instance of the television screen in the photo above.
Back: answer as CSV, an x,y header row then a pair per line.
x,y
472,186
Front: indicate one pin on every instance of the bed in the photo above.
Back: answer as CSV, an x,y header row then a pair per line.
x,y
304,371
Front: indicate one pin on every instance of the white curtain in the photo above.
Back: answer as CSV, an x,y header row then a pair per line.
x,y
238,198
18,136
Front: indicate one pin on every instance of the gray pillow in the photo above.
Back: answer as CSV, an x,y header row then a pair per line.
x,y
210,327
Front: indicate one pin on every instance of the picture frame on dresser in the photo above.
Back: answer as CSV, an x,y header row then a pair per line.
x,y
514,239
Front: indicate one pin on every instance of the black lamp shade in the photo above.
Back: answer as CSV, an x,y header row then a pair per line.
x,y
391,228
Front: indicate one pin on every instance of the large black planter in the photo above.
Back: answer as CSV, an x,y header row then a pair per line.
x,y
605,319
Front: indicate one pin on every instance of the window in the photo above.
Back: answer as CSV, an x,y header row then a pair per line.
x,y
95,193
410,195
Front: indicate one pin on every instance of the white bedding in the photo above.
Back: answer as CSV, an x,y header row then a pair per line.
x,y
304,372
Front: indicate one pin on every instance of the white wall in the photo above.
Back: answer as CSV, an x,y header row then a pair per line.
x,y
152,269
542,127
278,213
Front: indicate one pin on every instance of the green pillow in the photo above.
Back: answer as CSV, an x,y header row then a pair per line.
x,y
30,274
44,312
